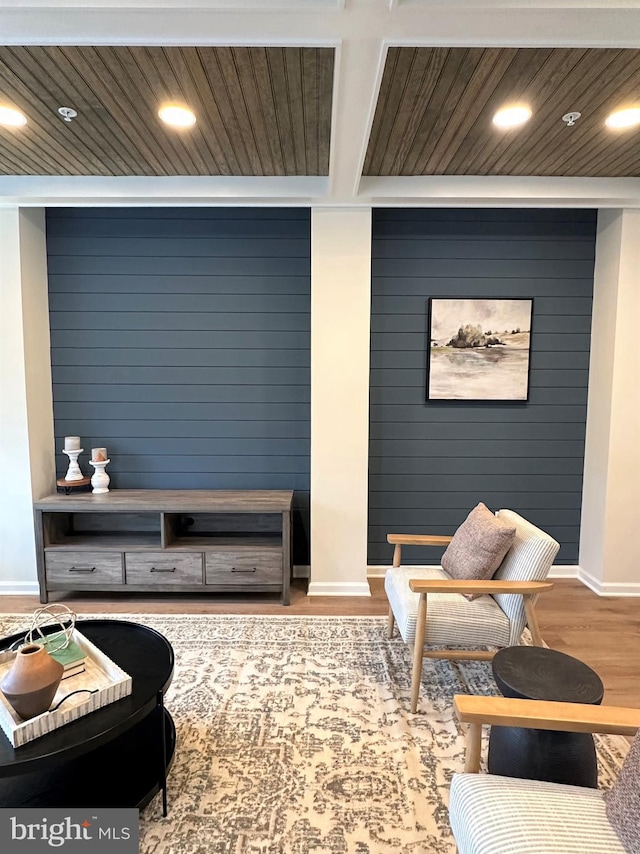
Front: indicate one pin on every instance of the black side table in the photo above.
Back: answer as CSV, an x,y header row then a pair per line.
x,y
538,673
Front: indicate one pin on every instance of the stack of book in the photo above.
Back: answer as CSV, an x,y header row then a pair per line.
x,y
72,657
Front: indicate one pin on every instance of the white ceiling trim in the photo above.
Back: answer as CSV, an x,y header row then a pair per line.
x,y
55,190
457,191
501,191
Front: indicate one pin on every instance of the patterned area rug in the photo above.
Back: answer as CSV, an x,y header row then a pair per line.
x,y
294,736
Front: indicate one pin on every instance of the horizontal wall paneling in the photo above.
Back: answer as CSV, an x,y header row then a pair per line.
x,y
180,340
430,463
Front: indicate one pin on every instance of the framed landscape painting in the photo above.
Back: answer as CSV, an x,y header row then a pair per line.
x,y
479,349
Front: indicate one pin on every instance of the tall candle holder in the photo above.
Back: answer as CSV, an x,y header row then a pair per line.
x,y
100,480
73,472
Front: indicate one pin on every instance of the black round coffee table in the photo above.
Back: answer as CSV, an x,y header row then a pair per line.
x,y
538,673
117,756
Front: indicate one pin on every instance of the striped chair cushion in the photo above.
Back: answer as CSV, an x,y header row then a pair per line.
x,y
529,559
493,815
451,619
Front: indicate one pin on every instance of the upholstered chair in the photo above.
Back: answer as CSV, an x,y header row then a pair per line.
x,y
491,814
434,615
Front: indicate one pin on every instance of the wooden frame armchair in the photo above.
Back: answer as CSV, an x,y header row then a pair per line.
x,y
535,816
427,606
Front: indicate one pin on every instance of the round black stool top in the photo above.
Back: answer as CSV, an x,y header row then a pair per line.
x,y
538,673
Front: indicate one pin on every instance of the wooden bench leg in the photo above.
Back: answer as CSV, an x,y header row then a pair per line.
x,y
418,648
391,623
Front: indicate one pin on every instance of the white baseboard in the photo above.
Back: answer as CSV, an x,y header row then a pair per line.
x,y
608,588
569,571
19,588
555,571
339,588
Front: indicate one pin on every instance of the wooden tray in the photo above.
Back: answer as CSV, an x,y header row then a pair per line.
x,y
100,673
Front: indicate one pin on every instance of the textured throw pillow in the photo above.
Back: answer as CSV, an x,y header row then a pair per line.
x,y
622,801
478,547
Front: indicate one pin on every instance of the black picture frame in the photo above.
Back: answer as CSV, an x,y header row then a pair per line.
x,y
479,349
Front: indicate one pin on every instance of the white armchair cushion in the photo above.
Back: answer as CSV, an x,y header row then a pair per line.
x,y
451,619
529,559
493,815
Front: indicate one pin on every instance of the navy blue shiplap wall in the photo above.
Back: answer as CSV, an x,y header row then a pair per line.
x,y
430,463
180,341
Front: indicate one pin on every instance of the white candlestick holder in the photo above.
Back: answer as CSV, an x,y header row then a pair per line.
x,y
73,472
100,480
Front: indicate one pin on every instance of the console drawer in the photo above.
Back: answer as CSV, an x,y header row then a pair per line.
x,y
243,566
163,568
75,568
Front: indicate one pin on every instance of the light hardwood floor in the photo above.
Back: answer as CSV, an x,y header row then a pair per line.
x,y
603,632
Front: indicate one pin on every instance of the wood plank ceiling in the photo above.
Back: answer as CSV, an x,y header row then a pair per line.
x,y
435,109
260,111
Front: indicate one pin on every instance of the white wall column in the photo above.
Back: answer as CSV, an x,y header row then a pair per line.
x,y
611,492
340,326
26,407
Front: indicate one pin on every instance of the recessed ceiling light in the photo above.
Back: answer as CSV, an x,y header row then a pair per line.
x,y
177,117
512,117
624,118
11,117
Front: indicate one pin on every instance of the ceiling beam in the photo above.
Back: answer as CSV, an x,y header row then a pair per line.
x,y
358,71
419,23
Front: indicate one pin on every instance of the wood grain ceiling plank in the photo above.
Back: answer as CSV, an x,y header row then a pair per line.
x,y
258,86
52,138
148,91
114,93
372,156
528,66
143,103
489,71
310,107
405,138
243,129
448,116
325,93
12,161
593,139
456,66
609,152
404,78
28,150
174,80
221,105
293,67
446,113
568,95
625,162
483,134
215,130
100,133
280,96
44,135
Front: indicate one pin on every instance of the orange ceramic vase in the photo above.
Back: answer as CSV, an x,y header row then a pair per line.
x,y
33,680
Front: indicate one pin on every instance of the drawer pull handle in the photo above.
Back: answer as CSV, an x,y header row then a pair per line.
x,y
162,569
82,569
233,569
